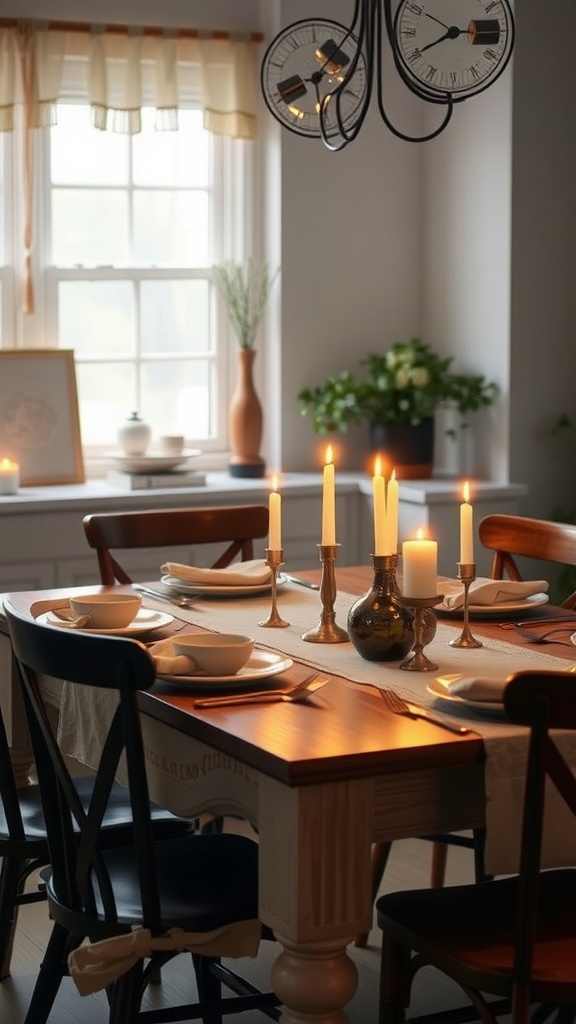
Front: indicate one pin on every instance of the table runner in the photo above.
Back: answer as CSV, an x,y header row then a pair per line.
x,y
505,744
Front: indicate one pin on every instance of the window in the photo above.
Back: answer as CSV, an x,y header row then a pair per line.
x,y
126,230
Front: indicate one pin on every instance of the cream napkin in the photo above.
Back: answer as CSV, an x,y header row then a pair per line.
x,y
478,688
486,591
254,571
168,663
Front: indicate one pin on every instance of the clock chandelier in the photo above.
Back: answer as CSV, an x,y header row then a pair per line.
x,y
318,77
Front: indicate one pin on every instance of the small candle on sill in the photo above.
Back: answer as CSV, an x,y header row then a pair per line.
x,y
419,567
275,514
328,501
9,476
466,528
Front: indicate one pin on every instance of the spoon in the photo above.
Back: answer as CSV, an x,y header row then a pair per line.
x,y
297,693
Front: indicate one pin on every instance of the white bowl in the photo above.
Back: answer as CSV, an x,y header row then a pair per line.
x,y
217,654
107,611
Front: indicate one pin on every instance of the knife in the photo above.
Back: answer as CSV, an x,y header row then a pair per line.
x,y
417,712
301,582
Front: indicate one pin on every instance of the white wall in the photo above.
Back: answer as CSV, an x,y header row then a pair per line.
x,y
467,241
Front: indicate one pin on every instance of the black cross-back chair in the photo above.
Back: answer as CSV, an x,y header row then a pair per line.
x,y
24,844
196,883
512,938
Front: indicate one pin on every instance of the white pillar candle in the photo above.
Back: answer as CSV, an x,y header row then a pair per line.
x,y
392,515
275,517
466,528
379,493
328,501
419,567
9,476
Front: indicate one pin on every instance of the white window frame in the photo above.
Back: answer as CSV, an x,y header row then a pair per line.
x,y
234,233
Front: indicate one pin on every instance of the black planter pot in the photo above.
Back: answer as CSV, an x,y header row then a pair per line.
x,y
410,450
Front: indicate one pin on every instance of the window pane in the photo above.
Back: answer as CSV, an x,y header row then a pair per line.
x,y
81,155
89,228
174,316
176,398
172,158
106,398
171,228
97,318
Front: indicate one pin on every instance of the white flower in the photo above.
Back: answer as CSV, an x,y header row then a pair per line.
x,y
402,378
420,376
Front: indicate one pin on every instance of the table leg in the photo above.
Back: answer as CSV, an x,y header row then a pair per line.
x,y
314,981
315,891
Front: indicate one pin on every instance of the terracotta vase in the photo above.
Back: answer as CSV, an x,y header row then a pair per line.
x,y
245,420
410,449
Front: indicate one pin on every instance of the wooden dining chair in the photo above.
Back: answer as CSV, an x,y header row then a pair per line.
x,y
513,938
233,527
196,893
511,537
24,843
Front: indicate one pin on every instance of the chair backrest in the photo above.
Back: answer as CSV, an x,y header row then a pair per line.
x,y
508,536
9,801
236,526
79,874
542,701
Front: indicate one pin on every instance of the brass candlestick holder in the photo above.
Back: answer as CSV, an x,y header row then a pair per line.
x,y
327,632
466,575
417,660
274,559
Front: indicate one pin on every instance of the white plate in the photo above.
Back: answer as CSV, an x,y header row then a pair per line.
x,y
145,621
500,610
151,463
260,665
439,688
219,589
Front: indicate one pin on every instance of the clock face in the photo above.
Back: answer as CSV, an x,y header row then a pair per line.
x,y
459,47
308,75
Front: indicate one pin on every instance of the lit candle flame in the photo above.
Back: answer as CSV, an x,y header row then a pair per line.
x,y
393,474
421,534
466,491
275,481
377,466
329,456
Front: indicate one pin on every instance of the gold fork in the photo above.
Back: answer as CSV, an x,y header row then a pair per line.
x,y
399,706
298,693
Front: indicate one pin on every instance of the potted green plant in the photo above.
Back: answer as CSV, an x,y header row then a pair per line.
x,y
244,289
397,396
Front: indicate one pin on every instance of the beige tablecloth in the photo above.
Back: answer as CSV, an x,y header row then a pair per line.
x,y
505,744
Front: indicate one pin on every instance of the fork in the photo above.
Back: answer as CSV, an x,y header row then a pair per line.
x,y
542,638
298,693
399,706
178,599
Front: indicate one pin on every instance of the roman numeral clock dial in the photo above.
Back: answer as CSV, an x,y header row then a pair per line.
x,y
313,78
452,47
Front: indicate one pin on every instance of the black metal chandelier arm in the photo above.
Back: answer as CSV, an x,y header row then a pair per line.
x,y
446,100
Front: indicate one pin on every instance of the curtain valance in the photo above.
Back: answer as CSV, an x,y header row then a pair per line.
x,y
118,73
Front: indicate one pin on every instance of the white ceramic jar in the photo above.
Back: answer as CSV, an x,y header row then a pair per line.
x,y
134,435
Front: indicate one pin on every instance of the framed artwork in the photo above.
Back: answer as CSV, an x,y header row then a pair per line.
x,y
39,421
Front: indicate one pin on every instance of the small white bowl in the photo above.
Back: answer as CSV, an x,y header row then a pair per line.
x,y
107,611
217,654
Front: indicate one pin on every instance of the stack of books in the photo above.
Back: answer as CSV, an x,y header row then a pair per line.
x,y
154,481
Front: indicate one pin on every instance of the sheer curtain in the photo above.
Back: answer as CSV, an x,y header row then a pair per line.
x,y
118,71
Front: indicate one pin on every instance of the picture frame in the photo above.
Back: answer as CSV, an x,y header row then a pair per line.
x,y
39,419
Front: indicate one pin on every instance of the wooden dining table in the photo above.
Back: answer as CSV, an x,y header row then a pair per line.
x,y
320,781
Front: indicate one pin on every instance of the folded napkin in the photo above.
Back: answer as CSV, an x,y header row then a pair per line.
x,y
478,688
255,571
168,663
486,591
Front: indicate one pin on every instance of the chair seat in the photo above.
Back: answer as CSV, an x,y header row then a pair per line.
x,y
219,899
119,813
468,931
